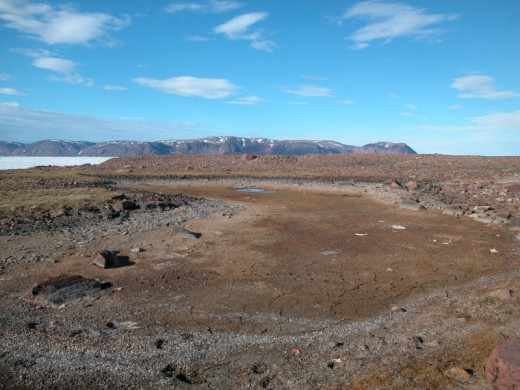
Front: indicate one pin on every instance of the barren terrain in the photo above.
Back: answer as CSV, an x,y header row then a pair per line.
x,y
278,272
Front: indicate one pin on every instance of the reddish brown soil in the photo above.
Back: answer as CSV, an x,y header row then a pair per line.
x,y
260,300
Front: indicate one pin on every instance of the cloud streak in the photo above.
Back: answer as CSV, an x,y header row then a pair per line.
x,y
56,25
479,87
309,91
189,86
245,101
23,124
11,92
214,6
389,21
241,27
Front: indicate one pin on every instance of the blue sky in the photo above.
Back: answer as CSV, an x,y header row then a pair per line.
x,y
442,76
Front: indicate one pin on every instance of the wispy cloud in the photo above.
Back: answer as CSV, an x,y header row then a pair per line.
x,y
65,70
494,122
246,101
411,106
346,102
55,64
498,121
18,123
213,6
479,86
62,24
113,88
206,88
388,21
11,92
241,27
4,77
309,91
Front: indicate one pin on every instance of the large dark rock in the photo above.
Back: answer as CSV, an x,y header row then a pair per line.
x,y
503,365
111,259
58,290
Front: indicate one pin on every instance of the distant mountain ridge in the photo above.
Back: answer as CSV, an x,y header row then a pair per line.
x,y
209,145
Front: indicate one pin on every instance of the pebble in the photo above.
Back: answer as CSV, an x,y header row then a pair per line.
x,y
501,293
329,253
458,372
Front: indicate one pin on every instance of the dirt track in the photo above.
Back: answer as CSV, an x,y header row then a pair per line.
x,y
302,289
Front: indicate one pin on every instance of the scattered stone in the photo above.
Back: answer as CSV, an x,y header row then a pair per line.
x,y
119,197
481,209
503,365
396,185
411,204
58,290
501,293
136,249
398,227
111,259
458,373
397,309
493,250
412,185
125,325
126,205
453,211
417,341
159,343
184,374
361,234
329,253
513,188
179,231
248,156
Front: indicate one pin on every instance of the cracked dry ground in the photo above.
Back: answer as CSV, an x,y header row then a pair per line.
x,y
255,302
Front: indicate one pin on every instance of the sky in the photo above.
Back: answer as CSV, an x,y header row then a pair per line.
x,y
442,76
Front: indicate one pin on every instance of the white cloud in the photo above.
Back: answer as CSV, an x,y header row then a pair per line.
x,y
197,38
410,106
113,88
4,77
29,125
490,124
180,7
247,101
11,92
388,21
455,107
264,45
498,121
309,91
66,70
240,28
479,86
346,102
408,114
298,103
55,64
58,24
191,86
214,6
